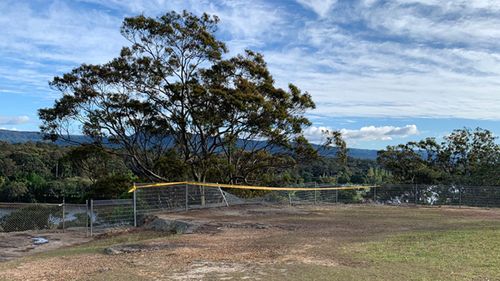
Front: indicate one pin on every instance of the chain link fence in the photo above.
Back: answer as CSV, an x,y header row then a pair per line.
x,y
102,215
93,217
37,217
108,214
185,196
436,195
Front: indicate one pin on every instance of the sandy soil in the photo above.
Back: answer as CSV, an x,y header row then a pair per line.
x,y
246,243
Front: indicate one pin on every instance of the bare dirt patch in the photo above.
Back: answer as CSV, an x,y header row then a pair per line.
x,y
19,244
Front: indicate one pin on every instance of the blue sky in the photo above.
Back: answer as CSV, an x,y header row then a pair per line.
x,y
383,72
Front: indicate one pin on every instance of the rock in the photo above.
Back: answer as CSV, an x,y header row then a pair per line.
x,y
262,226
171,226
122,249
111,251
135,248
39,240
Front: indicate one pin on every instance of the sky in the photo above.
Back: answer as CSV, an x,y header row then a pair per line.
x,y
382,72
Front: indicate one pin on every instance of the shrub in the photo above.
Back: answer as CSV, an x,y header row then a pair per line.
x,y
31,218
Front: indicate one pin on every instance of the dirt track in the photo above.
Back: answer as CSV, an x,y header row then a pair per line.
x,y
251,242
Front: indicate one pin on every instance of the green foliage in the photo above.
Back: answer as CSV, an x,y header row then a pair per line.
x,y
41,172
124,214
171,167
335,138
112,187
81,220
378,176
465,157
14,190
351,196
94,162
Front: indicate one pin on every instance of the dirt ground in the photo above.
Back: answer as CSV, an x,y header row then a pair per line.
x,y
19,244
259,243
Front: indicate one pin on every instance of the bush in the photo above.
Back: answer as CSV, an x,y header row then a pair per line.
x,y
350,196
115,215
31,218
115,186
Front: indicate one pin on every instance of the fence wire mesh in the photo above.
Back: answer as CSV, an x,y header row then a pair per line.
x,y
438,195
187,196
36,217
102,215
177,198
106,214
183,196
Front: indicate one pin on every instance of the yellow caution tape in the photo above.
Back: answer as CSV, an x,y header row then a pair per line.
x,y
234,186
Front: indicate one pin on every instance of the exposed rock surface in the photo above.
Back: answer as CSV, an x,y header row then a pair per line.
x,y
172,226
134,248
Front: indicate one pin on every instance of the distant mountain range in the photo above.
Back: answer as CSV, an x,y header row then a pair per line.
x,y
23,137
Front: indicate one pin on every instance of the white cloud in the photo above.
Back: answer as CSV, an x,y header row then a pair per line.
x,y
59,32
426,58
316,134
246,22
14,120
428,66
42,41
380,133
320,7
440,23
369,133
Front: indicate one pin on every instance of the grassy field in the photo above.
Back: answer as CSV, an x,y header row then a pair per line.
x,y
344,242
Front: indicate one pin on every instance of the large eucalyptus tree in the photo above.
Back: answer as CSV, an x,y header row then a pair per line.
x,y
175,87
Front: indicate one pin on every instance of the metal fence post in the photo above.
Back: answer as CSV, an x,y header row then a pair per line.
x,y
202,196
315,186
374,194
460,197
63,213
87,220
289,198
415,194
336,196
91,216
223,196
187,197
134,202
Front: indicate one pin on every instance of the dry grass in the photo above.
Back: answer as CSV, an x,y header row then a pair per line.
x,y
343,242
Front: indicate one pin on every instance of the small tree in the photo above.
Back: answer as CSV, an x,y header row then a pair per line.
x,y
468,152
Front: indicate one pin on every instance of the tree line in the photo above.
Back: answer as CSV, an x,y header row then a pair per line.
x,y
44,172
465,157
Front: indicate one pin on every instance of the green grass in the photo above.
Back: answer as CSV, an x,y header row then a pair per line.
x,y
434,246
470,254
453,254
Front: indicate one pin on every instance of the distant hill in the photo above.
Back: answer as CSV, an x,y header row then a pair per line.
x,y
19,137
23,137
358,153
